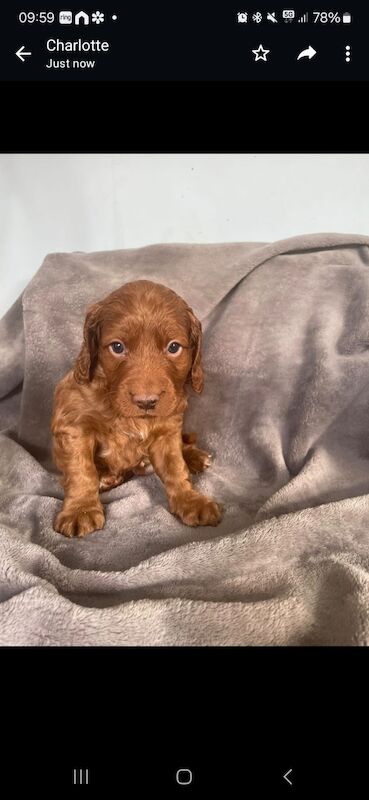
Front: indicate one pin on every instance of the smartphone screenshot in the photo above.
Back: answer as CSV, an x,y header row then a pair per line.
x,y
196,42
184,405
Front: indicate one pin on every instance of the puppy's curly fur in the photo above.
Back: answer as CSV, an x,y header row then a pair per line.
x,y
120,410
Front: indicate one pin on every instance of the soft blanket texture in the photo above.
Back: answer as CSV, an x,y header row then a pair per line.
x,y
285,412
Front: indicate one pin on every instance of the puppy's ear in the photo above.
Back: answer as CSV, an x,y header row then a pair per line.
x,y
197,374
87,359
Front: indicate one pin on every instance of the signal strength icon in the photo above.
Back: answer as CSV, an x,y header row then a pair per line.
x,y
304,18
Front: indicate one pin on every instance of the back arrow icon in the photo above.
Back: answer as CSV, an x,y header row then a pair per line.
x,y
286,778
310,52
22,52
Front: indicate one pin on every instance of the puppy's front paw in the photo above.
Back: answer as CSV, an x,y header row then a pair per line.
x,y
80,521
196,509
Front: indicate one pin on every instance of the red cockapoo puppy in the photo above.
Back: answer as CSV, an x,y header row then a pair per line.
x,y
121,409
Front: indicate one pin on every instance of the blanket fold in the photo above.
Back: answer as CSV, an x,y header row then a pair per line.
x,y
285,413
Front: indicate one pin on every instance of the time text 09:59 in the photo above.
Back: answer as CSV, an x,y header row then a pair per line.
x,y
36,16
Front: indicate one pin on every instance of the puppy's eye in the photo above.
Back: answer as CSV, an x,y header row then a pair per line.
x,y
117,348
174,348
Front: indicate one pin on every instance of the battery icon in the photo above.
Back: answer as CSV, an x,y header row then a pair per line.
x,y
346,17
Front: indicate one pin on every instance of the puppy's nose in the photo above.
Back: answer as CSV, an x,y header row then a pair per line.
x,y
145,401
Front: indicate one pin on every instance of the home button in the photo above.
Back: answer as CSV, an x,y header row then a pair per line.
x,y
184,777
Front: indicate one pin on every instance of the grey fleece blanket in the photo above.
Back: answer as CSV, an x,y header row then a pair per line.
x,y
285,412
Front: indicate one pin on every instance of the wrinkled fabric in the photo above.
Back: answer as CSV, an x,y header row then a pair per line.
x,y
285,413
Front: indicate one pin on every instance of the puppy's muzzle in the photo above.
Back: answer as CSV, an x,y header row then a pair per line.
x,y
146,402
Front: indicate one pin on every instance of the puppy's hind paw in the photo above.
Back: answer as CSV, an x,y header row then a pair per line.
x,y
196,460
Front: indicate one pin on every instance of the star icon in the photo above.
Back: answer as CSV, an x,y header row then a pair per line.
x,y
261,53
